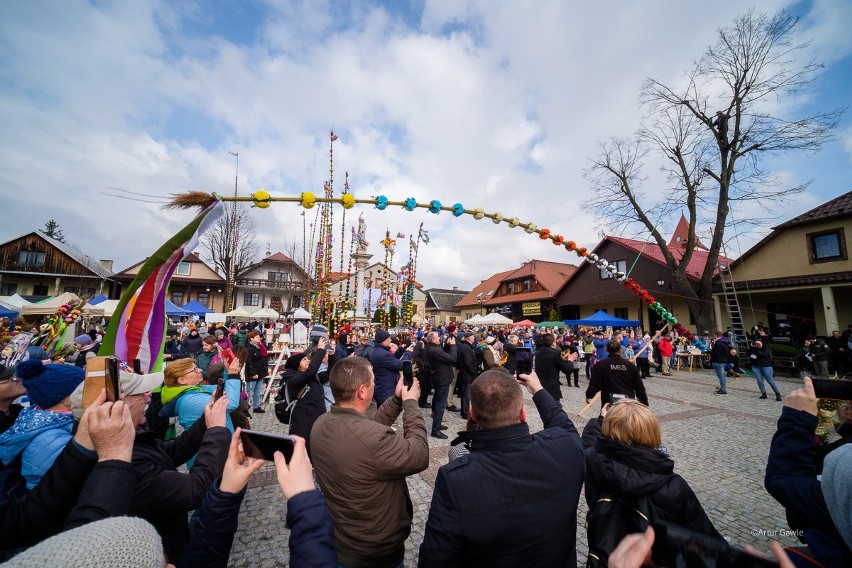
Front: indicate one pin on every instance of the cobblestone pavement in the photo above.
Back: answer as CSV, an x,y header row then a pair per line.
x,y
719,445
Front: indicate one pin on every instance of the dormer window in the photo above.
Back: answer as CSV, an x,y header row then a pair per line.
x,y
826,246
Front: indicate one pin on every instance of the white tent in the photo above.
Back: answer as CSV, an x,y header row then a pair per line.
x,y
475,319
495,319
108,306
266,313
14,302
50,306
239,313
301,314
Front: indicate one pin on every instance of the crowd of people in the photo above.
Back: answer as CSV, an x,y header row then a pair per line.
x,y
359,428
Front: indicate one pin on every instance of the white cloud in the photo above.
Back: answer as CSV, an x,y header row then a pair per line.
x,y
493,105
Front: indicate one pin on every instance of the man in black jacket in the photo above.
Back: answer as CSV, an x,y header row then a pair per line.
x,y
163,495
548,364
616,375
467,367
487,506
442,363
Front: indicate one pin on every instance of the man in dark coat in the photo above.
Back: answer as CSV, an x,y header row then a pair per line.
x,y
387,359
548,364
488,506
467,367
616,375
163,495
442,362
814,507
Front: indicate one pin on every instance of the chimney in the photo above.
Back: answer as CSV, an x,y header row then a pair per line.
x,y
455,288
268,253
106,264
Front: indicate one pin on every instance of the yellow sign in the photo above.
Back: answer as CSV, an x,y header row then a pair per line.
x,y
531,308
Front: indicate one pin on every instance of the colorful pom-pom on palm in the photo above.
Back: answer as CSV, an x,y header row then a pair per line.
x,y
544,234
348,200
307,199
410,204
458,209
435,206
478,213
260,198
496,218
381,203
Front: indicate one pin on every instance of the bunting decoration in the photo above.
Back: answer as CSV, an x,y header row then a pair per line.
x,y
137,329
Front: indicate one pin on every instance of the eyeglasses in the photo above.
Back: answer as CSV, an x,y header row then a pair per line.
x,y
13,379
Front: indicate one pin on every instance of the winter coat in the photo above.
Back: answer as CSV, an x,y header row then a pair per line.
x,y
548,364
241,338
600,348
256,364
819,350
615,375
490,358
76,490
626,471
192,344
386,368
38,436
312,405
188,403
163,496
204,360
511,356
760,357
721,351
466,364
512,501
791,480
361,464
665,347
441,363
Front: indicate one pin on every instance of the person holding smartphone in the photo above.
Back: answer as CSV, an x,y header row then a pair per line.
x,y
301,377
257,368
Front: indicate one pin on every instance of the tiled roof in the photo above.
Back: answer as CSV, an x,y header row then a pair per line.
x,y
279,257
681,235
551,275
443,300
80,257
652,251
482,290
837,207
522,297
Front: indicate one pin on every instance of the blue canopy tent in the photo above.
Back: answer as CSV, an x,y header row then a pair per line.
x,y
175,311
11,314
197,308
602,319
98,299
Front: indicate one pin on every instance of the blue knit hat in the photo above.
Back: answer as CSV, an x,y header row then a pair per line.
x,y
381,335
48,385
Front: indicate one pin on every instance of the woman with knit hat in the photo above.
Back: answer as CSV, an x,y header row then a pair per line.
x,y
42,430
86,349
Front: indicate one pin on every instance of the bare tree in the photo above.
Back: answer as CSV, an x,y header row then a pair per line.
x,y
230,246
712,160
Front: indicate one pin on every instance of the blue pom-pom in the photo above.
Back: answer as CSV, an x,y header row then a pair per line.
x,y
29,369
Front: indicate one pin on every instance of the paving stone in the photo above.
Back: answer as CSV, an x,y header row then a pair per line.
x,y
719,444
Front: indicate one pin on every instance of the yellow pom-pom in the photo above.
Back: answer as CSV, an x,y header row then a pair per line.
x,y
348,200
307,199
261,198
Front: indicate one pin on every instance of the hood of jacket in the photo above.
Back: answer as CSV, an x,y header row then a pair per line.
x,y
169,394
30,424
629,470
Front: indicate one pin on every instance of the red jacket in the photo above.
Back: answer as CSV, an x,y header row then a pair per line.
x,y
665,347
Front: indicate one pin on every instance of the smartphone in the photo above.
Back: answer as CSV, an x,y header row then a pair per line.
x,y
227,356
678,546
838,389
220,388
263,445
407,374
102,373
523,363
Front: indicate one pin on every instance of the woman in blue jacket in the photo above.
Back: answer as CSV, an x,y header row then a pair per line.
x,y
184,396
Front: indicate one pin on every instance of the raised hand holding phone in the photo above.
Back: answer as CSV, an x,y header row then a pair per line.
x,y
296,476
238,467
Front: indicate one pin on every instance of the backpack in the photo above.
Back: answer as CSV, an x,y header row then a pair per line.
x,y
284,405
612,518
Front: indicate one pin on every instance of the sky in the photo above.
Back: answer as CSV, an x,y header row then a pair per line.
x,y
498,105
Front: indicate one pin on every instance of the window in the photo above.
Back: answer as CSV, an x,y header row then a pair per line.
x,y
621,313
527,286
183,269
204,299
827,246
72,289
297,301
8,289
177,298
30,258
278,276
40,290
620,265
251,299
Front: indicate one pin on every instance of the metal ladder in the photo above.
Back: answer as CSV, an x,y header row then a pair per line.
x,y
732,303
